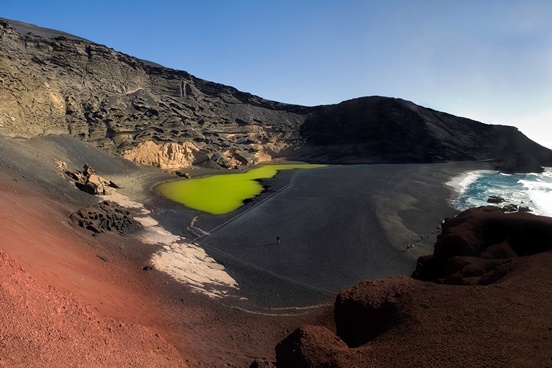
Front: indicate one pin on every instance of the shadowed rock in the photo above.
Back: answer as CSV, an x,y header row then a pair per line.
x,y
476,245
309,346
368,309
90,182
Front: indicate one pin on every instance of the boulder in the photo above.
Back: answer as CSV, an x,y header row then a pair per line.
x,y
90,182
96,185
370,308
183,174
510,208
477,245
262,363
309,347
76,175
495,199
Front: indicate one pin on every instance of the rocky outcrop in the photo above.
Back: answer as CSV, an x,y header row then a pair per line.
x,y
310,346
368,309
391,130
404,322
361,314
476,246
55,83
106,216
90,182
167,155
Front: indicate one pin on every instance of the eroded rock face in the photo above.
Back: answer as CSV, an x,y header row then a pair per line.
x,y
167,155
60,85
476,246
55,83
106,216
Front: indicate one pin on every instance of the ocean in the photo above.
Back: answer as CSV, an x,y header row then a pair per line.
x,y
529,190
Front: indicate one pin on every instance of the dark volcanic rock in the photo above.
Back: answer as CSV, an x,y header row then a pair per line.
x,y
395,130
54,83
261,363
495,199
476,245
498,325
106,216
117,102
309,346
90,182
368,309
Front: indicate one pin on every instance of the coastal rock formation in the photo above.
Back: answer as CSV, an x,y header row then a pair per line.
x,y
106,216
404,322
395,130
56,83
477,245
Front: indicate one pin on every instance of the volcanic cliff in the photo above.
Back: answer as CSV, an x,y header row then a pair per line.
x,y
56,83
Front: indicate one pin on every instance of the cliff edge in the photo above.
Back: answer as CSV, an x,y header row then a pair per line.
x,y
56,83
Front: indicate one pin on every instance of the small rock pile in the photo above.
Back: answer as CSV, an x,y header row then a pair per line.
x,y
90,182
509,207
106,216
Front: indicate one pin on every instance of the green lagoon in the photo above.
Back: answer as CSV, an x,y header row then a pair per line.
x,y
220,194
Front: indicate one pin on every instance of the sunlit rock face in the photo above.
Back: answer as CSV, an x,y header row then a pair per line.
x,y
56,83
62,85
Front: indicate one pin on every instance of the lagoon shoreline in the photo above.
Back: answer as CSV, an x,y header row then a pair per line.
x,y
338,225
184,324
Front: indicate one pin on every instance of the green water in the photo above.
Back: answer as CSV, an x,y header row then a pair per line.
x,y
219,194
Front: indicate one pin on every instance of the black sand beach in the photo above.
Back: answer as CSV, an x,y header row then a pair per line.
x,y
336,226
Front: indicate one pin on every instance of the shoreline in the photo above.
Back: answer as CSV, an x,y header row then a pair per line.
x,y
151,314
191,322
397,220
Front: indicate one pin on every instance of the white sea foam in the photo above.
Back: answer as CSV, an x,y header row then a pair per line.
x,y
539,190
462,182
531,190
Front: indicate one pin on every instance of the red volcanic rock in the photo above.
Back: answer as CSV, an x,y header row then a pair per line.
x,y
310,346
504,324
477,245
369,308
403,322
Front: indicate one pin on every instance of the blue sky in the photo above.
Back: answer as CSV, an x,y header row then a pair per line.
x,y
489,60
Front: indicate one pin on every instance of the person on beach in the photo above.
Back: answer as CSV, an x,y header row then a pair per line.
x,y
278,239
